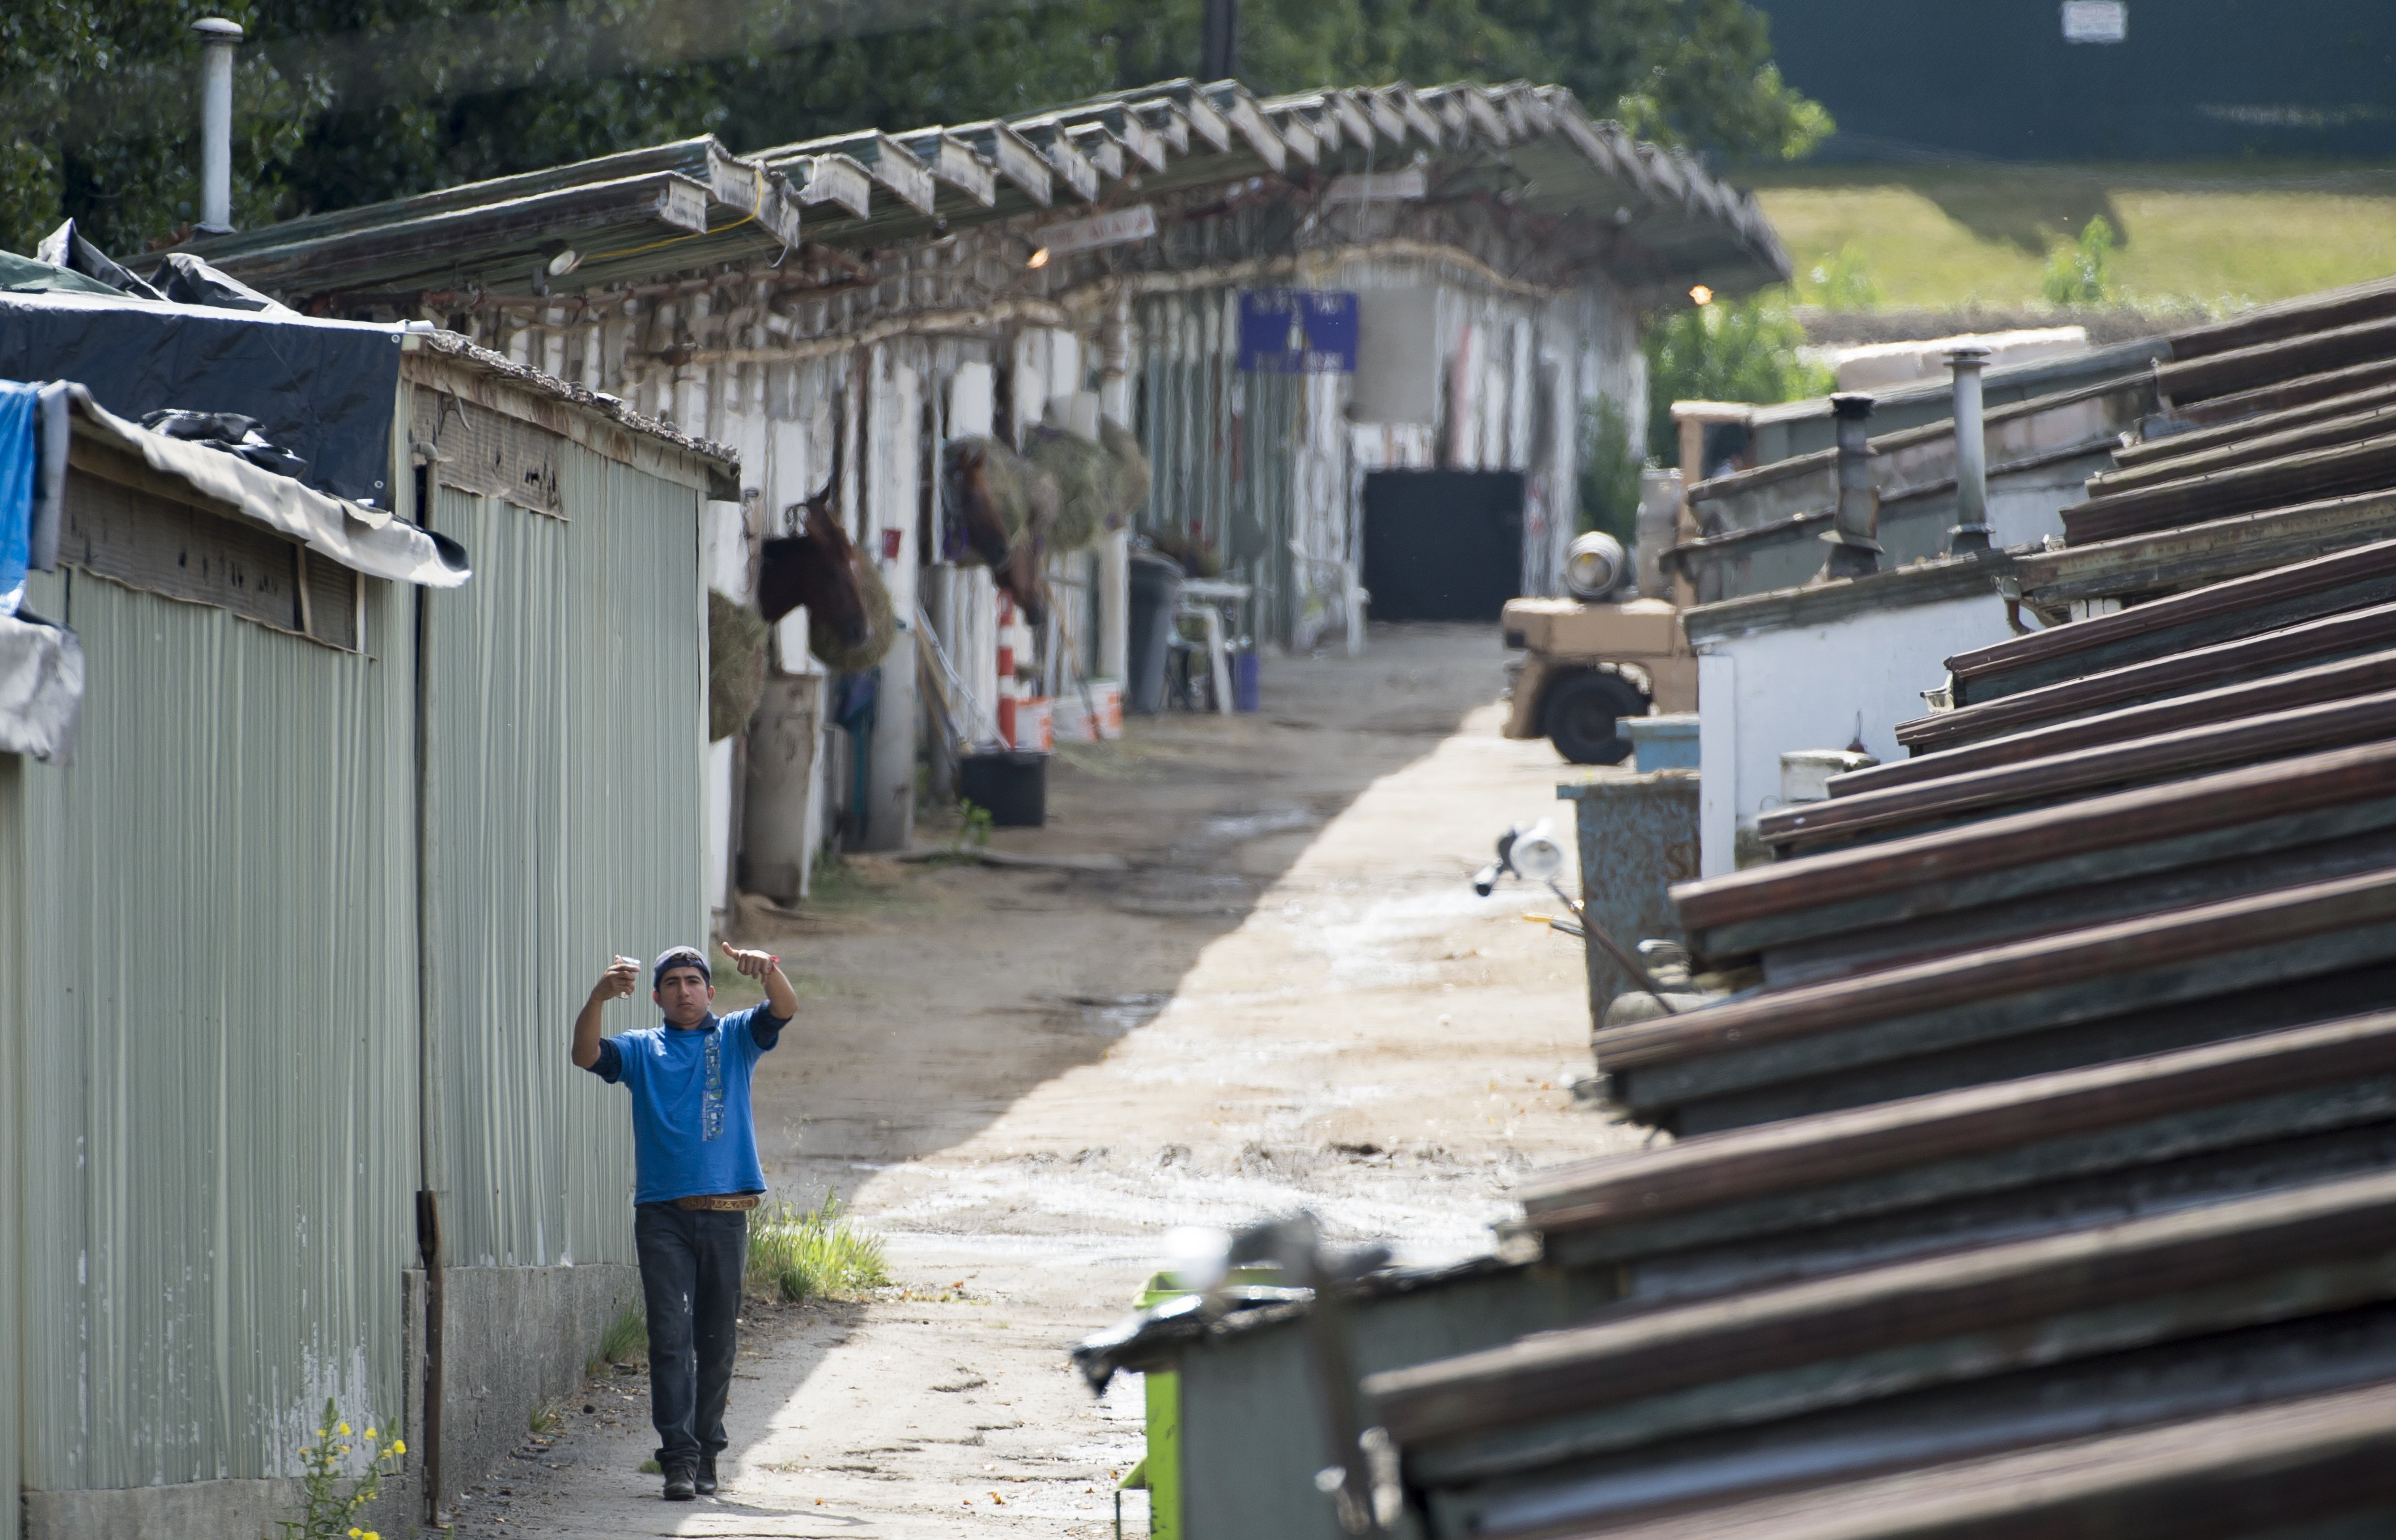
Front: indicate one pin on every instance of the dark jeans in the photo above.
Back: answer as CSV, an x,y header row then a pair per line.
x,y
690,1277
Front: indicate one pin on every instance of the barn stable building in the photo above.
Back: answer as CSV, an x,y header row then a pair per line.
x,y
1360,335
316,821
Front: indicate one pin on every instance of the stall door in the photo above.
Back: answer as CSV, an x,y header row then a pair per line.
x,y
1443,545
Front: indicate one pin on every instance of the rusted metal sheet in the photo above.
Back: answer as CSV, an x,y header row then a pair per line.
x,y
1612,1197
2320,434
1915,1324
1945,859
2289,647
2196,441
2319,1465
2287,394
2340,681
2220,611
2141,566
2288,319
2159,980
1979,793
2263,364
2368,466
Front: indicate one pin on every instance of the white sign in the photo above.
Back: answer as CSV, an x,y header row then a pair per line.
x,y
1405,186
1136,223
2095,20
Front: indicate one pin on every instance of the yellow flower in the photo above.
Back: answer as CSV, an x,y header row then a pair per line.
x,y
345,1430
356,1531
399,1446
370,1432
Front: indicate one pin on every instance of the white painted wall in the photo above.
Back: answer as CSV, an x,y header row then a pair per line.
x,y
1768,692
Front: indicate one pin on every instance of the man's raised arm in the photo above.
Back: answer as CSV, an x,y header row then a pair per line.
x,y
781,999
621,977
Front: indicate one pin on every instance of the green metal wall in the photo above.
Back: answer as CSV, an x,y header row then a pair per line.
x,y
215,1110
566,739
12,1116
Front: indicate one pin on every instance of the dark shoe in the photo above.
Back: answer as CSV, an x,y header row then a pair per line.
x,y
705,1482
681,1482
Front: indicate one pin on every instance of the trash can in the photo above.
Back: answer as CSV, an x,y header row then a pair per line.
x,y
1156,594
1012,786
1247,685
1638,836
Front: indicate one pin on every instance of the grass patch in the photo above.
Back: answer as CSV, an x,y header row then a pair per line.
x,y
1943,236
547,1418
798,1254
847,887
627,1337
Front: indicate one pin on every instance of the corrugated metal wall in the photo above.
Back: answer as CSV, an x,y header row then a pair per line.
x,y
568,731
218,892
12,1111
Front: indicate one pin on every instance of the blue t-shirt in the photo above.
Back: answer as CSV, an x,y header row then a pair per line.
x,y
691,1131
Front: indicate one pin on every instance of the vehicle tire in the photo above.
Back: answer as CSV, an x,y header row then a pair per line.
x,y
1583,716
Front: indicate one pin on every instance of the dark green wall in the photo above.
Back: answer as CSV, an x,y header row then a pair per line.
x,y
2195,80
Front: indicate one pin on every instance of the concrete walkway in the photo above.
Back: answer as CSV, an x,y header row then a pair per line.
x,y
1023,1078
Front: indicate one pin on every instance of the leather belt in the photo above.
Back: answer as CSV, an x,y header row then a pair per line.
x,y
719,1203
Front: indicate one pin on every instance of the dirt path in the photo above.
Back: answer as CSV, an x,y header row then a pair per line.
x,y
1023,1078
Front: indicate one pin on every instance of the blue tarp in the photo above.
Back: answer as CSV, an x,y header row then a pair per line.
x,y
20,408
324,389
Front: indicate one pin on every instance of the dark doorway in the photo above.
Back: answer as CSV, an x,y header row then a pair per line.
x,y
1443,545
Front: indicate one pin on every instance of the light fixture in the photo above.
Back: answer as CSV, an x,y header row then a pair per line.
x,y
564,262
1038,259
1538,854
1702,294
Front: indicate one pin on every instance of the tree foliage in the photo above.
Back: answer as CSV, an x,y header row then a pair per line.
x,y
342,103
1729,351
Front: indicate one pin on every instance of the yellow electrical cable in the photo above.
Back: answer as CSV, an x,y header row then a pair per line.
x,y
749,218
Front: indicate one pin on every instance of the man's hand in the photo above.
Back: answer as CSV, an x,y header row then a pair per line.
x,y
623,975
781,999
751,963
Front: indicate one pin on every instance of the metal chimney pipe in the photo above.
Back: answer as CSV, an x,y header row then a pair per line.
x,y
219,37
1971,532
1853,535
1220,40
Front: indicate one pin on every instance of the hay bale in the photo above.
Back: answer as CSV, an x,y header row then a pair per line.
x,y
880,626
735,665
1085,478
1025,494
1131,478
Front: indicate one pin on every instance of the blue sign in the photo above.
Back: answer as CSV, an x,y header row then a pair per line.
x,y
1298,331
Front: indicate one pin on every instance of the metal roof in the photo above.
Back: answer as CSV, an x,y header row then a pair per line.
x,y
2032,1069
1650,215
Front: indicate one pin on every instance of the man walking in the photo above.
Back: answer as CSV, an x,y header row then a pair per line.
x,y
695,1160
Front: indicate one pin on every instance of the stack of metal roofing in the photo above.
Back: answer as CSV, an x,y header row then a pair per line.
x,y
694,205
2038,1174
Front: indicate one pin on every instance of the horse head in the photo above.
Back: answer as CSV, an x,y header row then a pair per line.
x,y
816,566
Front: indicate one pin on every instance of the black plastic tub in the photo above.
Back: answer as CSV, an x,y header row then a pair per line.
x,y
1013,786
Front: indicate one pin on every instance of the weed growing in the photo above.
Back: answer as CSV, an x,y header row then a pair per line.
x,y
326,1510
627,1337
811,1253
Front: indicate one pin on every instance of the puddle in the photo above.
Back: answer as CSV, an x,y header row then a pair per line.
x,y
1271,818
1112,1016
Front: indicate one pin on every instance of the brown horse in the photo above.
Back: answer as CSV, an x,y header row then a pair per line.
x,y
820,566
1014,561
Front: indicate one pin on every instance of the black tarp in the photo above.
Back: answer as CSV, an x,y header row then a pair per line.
x,y
325,390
